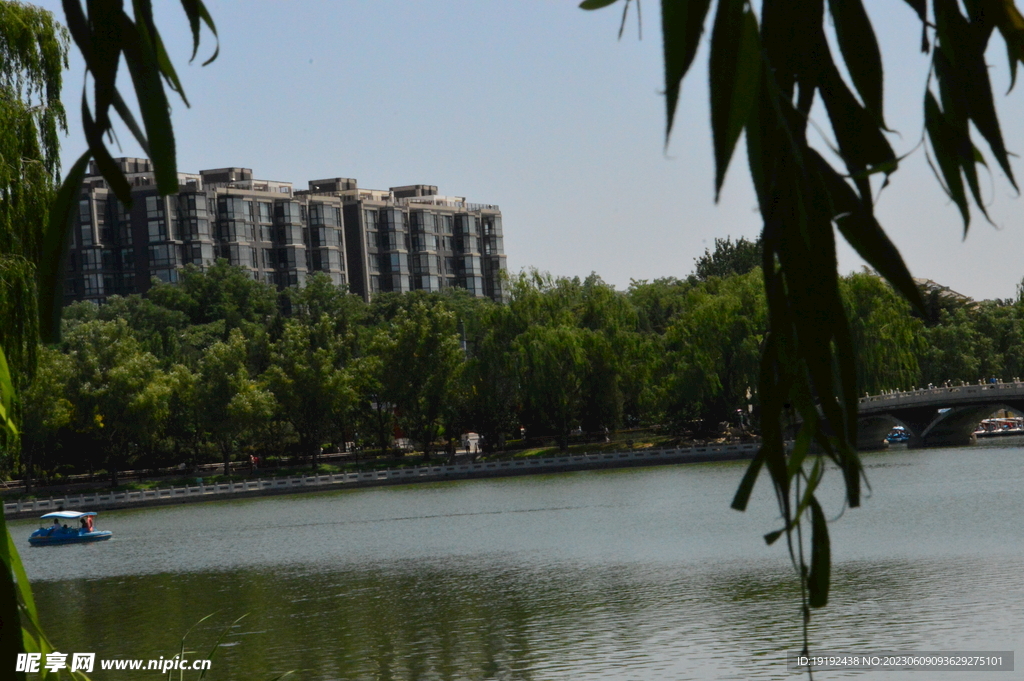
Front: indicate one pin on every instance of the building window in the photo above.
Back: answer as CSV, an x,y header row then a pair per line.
x,y
91,259
167,276
161,255
446,223
85,220
157,230
369,220
193,205
287,211
92,285
154,207
232,208
265,212
323,214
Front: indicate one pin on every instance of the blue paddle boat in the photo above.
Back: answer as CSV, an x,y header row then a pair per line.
x,y
80,529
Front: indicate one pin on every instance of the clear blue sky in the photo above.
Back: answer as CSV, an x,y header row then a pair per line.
x,y
537,107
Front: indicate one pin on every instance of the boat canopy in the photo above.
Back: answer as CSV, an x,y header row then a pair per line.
x,y
70,515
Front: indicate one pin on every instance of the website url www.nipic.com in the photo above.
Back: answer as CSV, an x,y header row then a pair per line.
x,y
86,662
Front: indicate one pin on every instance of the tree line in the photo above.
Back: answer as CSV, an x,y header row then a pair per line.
x,y
220,366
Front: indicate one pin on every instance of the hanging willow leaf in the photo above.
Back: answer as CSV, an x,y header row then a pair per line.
x,y
963,78
983,113
742,496
153,104
942,138
10,644
860,51
196,12
104,161
1010,22
6,397
821,558
861,230
129,120
54,251
734,75
862,145
921,7
682,24
596,4
105,54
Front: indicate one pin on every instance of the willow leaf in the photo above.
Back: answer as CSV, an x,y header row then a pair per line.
x,y
735,73
156,113
861,230
54,251
821,558
682,24
941,135
197,12
860,51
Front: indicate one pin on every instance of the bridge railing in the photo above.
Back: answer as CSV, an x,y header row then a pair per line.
x,y
958,393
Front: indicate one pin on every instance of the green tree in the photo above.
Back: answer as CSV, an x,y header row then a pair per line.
x,y
1000,323
234,407
641,359
184,424
658,302
952,350
491,375
553,370
120,394
45,411
886,338
308,377
374,414
319,297
220,292
421,360
713,351
613,319
157,328
729,258
33,56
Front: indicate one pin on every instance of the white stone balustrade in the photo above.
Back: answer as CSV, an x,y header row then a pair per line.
x,y
96,502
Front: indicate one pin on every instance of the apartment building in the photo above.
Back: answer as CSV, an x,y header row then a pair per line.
x,y
402,239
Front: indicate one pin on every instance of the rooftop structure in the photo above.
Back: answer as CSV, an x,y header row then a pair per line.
x,y
405,238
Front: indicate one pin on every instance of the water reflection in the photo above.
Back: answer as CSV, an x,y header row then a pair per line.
x,y
495,616
616,575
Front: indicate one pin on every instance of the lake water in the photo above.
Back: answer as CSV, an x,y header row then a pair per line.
x,y
639,574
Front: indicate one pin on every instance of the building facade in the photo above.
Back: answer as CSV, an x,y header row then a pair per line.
x,y
403,239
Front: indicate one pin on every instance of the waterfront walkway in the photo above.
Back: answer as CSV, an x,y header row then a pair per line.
x,y
392,476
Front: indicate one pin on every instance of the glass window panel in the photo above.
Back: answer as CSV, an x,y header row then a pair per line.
x,y
154,207
157,230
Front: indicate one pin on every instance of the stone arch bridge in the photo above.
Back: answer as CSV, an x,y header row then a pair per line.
x,y
934,416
